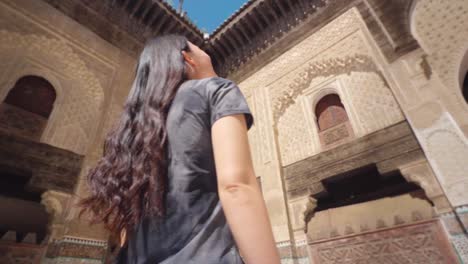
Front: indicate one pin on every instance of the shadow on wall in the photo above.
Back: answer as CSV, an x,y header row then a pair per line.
x,y
465,88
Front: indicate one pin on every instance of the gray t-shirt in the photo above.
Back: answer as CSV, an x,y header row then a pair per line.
x,y
194,229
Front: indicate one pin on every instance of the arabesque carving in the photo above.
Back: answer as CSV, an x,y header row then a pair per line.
x,y
324,68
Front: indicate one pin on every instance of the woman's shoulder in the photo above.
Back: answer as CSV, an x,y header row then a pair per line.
x,y
214,80
207,86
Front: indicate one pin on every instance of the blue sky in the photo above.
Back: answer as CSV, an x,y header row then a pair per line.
x,y
209,14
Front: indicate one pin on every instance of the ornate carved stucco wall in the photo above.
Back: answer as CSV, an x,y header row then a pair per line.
x,y
343,58
439,114
80,95
339,58
92,79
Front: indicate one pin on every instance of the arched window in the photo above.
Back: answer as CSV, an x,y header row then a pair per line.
x,y
27,107
465,88
33,94
330,112
332,120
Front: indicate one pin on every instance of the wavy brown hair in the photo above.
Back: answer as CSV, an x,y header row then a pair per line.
x,y
129,181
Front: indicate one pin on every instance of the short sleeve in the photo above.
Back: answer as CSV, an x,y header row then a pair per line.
x,y
226,98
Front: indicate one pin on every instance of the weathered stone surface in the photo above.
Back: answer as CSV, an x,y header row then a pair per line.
x,y
20,253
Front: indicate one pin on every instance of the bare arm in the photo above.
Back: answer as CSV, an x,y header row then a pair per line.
x,y
239,192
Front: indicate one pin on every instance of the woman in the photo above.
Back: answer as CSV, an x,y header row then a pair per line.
x,y
177,174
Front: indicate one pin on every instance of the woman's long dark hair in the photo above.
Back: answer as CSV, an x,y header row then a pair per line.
x,y
129,181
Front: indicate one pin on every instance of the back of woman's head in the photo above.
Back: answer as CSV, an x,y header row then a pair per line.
x,y
129,181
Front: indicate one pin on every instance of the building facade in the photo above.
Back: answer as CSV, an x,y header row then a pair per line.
x,y
360,136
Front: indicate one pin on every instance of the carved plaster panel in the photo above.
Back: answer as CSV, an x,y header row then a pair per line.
x,y
447,148
373,102
305,50
441,29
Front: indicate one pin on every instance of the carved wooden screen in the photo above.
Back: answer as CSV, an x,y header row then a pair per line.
x,y
332,120
330,112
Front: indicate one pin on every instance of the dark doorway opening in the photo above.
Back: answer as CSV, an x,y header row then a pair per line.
x,y
361,185
33,94
27,107
21,211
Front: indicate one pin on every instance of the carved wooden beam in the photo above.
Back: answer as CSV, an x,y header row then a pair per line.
x,y
177,29
255,16
245,31
156,14
256,32
223,48
286,19
245,42
280,25
272,11
237,37
305,7
147,11
241,35
249,26
243,27
262,38
160,23
237,43
171,25
293,11
126,3
229,43
281,7
219,50
215,54
263,15
137,6
197,40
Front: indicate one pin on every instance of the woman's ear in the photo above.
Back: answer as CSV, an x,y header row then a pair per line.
x,y
188,59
